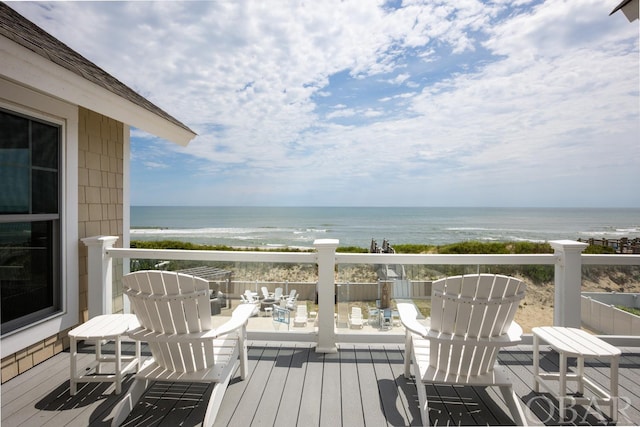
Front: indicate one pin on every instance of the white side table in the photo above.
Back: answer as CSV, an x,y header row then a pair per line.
x,y
108,327
571,342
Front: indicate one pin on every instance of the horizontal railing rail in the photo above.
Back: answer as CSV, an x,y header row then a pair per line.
x,y
610,259
567,260
197,255
311,257
454,259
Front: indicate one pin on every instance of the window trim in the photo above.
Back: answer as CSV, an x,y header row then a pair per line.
x,y
34,104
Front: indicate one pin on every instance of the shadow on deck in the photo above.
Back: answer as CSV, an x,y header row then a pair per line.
x,y
291,385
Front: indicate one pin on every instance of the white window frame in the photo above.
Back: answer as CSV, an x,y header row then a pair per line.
x,y
28,102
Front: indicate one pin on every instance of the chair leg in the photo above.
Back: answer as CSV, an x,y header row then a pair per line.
x,y
513,403
424,404
216,398
408,351
243,352
73,383
126,405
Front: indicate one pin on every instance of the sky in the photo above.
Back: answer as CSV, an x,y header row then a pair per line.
x,y
374,103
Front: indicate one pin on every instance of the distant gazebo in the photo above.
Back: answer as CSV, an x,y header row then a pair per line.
x,y
216,277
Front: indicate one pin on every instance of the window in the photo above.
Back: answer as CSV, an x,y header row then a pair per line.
x,y
30,243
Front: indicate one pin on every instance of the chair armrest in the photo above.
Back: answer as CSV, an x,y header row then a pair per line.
x,y
409,318
239,318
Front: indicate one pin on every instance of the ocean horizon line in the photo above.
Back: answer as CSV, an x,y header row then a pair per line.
x,y
357,226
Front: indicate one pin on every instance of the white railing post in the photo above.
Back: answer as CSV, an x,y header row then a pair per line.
x,y
99,270
326,249
568,283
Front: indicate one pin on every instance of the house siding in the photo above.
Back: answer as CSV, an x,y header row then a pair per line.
x,y
100,193
100,212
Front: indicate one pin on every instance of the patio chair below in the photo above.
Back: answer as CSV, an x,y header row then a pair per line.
x,y
290,301
265,293
355,318
301,317
386,321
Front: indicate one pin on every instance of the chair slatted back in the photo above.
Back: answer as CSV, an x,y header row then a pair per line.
x,y
250,296
478,308
172,303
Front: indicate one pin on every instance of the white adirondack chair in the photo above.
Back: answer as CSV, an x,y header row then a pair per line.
x,y
175,317
290,301
386,321
471,318
251,297
355,318
302,315
374,316
265,293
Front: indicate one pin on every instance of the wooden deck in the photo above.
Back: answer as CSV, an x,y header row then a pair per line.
x,y
291,385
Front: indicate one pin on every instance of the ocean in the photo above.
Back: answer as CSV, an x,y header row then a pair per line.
x,y
272,227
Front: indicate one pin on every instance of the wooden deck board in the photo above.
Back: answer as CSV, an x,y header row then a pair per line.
x,y
268,407
519,360
627,374
252,388
189,406
234,394
331,395
370,395
56,405
454,409
495,407
352,414
393,410
260,394
289,405
12,390
309,412
291,385
407,393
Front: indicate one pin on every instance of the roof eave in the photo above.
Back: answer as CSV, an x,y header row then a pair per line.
x,y
629,8
28,68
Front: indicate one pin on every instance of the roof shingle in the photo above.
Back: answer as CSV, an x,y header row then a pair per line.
x,y
25,33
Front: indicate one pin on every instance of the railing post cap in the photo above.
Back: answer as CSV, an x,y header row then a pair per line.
x,y
568,245
326,243
99,240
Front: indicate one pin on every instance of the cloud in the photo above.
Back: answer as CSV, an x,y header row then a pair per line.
x,y
336,102
399,79
155,165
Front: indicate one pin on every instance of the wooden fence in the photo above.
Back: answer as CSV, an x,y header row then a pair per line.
x,y
344,291
623,245
600,314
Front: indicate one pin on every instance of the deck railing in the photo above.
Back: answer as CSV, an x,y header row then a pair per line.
x,y
567,260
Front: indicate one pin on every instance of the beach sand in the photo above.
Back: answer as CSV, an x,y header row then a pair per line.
x,y
537,308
